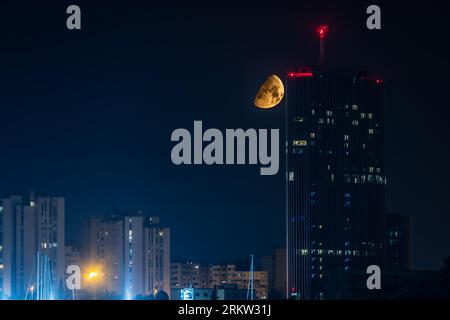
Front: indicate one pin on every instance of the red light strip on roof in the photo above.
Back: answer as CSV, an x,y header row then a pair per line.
x,y
299,74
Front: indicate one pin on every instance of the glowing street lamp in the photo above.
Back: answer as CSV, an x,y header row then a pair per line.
x,y
92,275
93,278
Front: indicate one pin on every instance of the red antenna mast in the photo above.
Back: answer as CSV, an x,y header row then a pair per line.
x,y
322,31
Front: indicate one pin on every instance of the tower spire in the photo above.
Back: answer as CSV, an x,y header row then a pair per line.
x,y
322,31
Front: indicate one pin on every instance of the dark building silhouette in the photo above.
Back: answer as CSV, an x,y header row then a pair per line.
x,y
398,242
275,266
335,179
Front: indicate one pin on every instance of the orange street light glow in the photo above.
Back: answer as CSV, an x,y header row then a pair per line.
x,y
92,275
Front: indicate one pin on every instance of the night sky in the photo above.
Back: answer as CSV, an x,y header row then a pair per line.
x,y
88,114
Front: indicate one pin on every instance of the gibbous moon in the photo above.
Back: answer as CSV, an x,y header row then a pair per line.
x,y
270,94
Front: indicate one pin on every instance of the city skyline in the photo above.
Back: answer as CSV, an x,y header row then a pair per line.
x,y
125,255
88,116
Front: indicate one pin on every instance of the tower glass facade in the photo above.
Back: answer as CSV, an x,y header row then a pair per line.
x,y
335,179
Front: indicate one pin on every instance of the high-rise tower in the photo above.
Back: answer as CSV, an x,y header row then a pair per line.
x,y
335,179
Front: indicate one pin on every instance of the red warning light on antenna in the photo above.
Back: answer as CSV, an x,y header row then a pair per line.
x,y
322,31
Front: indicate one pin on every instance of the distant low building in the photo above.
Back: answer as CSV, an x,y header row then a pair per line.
x,y
260,283
221,274
189,274
73,256
398,242
230,291
190,293
275,266
227,274
197,276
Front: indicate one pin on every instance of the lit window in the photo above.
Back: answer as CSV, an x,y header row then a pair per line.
x,y
329,113
347,178
312,135
370,115
363,115
355,122
370,131
299,119
346,137
370,169
298,143
291,176
354,107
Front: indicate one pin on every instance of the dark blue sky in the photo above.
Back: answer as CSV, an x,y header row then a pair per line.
x,y
88,114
